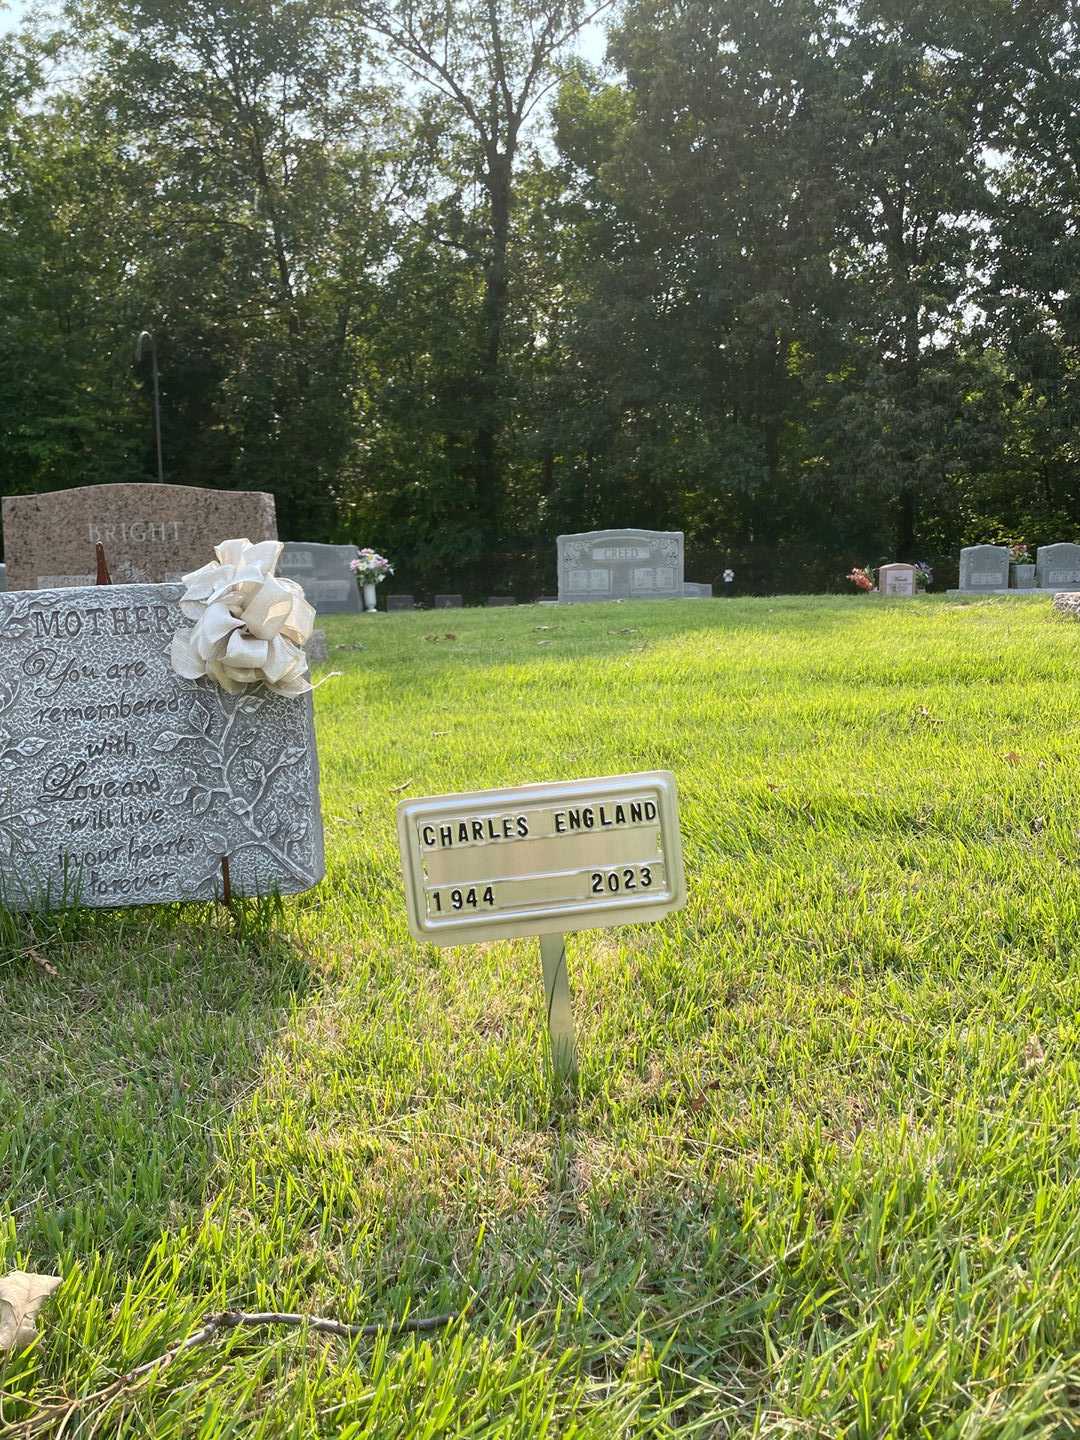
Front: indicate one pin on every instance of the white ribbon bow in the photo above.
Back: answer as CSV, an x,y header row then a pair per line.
x,y
250,625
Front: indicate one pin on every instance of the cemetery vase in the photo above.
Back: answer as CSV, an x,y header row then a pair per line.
x,y
369,596
1022,577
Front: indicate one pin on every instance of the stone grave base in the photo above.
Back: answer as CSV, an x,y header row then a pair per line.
x,y
1020,594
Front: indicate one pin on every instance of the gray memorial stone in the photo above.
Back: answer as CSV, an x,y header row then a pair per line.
x,y
984,567
448,602
693,591
501,600
324,572
317,650
621,565
124,784
149,532
400,602
1057,567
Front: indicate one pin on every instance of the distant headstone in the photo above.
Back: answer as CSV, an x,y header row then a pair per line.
x,y
123,783
897,579
1057,567
324,572
693,591
501,600
400,602
621,565
1067,603
3,577
149,532
984,567
448,602
316,649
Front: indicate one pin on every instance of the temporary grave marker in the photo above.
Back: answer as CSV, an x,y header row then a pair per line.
x,y
122,783
543,860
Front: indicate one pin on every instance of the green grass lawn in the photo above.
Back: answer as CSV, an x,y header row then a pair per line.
x,y
822,1173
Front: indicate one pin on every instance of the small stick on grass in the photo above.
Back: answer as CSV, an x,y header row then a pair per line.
x,y
225,1320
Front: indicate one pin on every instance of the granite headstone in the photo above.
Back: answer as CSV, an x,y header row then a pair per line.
x,y
984,567
1057,567
124,784
693,590
897,579
400,602
317,648
448,602
324,572
620,565
149,532
500,600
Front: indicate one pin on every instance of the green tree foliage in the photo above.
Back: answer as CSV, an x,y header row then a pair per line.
x,y
783,273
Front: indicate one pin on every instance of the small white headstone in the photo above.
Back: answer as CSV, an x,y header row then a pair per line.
x,y
897,579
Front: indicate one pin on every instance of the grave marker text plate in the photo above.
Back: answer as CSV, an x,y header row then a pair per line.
x,y
121,783
542,859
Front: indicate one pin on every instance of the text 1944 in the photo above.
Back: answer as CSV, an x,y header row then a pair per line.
x,y
474,897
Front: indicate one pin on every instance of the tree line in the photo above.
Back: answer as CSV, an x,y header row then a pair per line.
x,y
798,278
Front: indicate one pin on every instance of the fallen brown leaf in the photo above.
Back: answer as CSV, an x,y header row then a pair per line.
x,y
41,962
1012,758
698,1102
1034,1054
22,1295
397,789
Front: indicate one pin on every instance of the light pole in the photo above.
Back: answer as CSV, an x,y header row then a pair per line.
x,y
147,337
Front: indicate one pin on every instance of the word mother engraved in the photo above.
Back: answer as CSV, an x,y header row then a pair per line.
x,y
123,784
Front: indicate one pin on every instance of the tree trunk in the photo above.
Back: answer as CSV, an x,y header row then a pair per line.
x,y
905,525
496,296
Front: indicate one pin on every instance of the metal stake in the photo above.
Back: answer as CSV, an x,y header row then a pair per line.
x,y
557,1002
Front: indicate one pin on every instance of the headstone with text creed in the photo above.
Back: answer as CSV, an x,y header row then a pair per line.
x,y
1057,567
325,572
151,533
897,579
620,565
984,567
123,784
543,860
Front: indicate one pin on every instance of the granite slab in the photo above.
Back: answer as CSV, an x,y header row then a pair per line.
x,y
123,784
150,533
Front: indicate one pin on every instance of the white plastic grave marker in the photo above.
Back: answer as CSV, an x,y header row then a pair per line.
x,y
543,860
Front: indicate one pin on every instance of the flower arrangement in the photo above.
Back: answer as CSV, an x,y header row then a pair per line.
x,y
250,625
371,568
1019,553
863,578
924,576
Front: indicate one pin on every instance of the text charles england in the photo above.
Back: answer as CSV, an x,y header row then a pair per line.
x,y
536,824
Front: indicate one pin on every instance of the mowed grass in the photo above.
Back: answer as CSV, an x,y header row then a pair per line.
x,y
821,1176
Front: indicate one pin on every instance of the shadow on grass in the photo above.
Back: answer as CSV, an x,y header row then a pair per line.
x,y
127,1038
